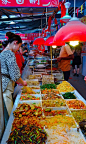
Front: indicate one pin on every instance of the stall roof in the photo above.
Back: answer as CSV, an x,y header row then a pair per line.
x,y
27,19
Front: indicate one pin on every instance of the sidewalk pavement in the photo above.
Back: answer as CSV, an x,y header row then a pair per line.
x,y
78,83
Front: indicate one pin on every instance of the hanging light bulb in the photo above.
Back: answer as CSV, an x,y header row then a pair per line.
x,y
54,46
74,43
74,30
67,17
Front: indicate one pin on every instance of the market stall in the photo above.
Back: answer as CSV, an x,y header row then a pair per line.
x,y
48,109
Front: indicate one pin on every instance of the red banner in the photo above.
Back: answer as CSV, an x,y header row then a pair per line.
x,y
29,3
29,36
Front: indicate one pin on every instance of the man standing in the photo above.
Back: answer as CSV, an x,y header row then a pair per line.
x,y
64,59
25,52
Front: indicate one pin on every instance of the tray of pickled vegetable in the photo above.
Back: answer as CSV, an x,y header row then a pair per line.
x,y
49,91
79,115
47,79
69,95
62,129
29,110
27,130
62,135
65,87
48,86
58,102
76,104
50,96
53,112
61,120
33,82
30,97
35,87
36,76
29,90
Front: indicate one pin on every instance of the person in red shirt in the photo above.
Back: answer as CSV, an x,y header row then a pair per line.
x,y
20,60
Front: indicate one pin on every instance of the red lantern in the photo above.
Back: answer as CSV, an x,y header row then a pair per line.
x,y
39,41
49,42
74,30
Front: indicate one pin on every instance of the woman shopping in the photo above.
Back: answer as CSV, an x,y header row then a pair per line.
x,y
9,69
76,62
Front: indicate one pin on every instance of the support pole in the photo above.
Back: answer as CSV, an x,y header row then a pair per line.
x,y
41,23
46,15
74,8
2,123
51,58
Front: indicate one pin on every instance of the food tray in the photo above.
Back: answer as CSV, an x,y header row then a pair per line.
x,y
37,91
39,58
70,136
40,66
35,102
77,114
50,97
76,106
47,79
56,111
49,91
31,97
33,82
40,72
59,119
28,108
54,103
34,87
48,86
69,92
37,76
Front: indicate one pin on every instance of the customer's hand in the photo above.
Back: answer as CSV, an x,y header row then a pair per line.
x,y
25,83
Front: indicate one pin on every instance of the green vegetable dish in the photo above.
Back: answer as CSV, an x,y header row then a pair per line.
x,y
48,86
69,95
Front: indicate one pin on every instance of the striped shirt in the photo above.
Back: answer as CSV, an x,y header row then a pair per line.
x,y
9,68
